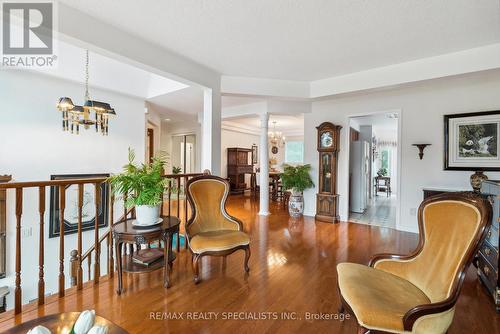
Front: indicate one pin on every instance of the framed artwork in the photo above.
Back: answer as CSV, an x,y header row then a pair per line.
x,y
255,154
71,212
471,141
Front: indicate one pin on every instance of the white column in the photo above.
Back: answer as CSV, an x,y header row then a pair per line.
x,y
211,131
264,165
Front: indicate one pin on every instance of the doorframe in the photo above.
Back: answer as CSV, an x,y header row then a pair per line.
x,y
184,135
347,138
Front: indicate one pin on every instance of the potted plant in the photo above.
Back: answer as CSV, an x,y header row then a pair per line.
x,y
142,186
382,172
296,179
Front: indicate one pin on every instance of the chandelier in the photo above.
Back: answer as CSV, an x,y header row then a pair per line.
x,y
74,116
276,138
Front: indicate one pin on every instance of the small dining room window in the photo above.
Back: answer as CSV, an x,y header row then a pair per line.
x,y
294,152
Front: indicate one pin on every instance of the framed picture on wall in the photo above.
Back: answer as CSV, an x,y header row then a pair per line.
x,y
471,141
71,212
255,152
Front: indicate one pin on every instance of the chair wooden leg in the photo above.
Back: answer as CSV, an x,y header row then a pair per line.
x,y
362,330
196,269
247,257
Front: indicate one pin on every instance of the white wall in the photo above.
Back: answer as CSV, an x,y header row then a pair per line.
x,y
33,146
170,129
422,108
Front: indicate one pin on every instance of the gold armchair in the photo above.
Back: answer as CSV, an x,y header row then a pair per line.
x,y
417,293
211,230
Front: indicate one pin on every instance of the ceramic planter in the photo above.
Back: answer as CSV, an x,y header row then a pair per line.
x,y
147,214
296,204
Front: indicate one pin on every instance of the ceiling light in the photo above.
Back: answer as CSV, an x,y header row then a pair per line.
x,y
73,116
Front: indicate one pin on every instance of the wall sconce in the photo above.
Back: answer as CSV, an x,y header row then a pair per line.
x,y
421,148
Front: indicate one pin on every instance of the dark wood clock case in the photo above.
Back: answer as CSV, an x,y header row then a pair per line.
x,y
328,147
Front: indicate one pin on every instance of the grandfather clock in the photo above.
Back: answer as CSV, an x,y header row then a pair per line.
x,y
327,197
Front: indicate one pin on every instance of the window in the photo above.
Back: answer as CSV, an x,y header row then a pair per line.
x,y
385,161
294,152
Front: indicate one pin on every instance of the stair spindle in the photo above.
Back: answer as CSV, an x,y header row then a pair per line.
x,y
79,271
62,206
41,246
19,212
97,246
111,261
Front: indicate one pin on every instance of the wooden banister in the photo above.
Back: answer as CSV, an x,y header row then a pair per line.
x,y
65,182
176,184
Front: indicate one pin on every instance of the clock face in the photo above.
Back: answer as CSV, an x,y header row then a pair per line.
x,y
326,139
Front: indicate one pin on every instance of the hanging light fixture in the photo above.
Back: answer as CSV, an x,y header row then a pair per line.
x,y
276,138
73,115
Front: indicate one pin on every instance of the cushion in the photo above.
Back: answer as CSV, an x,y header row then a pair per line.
x,y
378,299
218,240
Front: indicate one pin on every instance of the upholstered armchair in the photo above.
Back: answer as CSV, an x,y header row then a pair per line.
x,y
211,230
417,293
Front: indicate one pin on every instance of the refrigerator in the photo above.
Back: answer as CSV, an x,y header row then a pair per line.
x,y
359,166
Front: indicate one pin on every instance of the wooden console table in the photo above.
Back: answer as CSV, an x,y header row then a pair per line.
x,y
125,232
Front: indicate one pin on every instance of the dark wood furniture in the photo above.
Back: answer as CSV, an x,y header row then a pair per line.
x,y
488,263
239,163
274,178
327,197
125,232
386,186
60,323
417,312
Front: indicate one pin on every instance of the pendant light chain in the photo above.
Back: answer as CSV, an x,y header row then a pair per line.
x,y
87,95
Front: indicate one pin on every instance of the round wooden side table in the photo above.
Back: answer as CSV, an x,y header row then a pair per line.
x,y
126,233
62,323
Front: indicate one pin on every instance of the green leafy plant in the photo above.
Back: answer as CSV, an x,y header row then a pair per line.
x,y
382,172
176,170
141,184
297,178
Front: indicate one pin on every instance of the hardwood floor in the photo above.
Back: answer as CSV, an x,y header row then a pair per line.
x,y
293,269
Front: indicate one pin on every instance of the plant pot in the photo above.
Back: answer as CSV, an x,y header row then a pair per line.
x,y
147,214
296,204
476,180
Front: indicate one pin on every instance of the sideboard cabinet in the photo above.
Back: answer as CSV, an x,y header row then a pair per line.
x,y
488,253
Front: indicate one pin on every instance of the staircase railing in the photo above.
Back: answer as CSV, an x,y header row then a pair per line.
x,y
173,196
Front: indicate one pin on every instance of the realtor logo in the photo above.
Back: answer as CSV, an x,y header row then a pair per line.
x,y
28,34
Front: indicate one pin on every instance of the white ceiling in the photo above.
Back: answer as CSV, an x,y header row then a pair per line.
x,y
108,73
303,40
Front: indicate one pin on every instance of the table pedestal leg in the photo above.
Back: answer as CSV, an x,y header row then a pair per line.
x,y
118,251
167,250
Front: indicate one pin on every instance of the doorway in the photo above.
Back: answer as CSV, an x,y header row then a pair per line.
x,y
373,169
150,148
184,154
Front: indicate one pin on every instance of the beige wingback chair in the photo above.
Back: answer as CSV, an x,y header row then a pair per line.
x,y
417,293
211,230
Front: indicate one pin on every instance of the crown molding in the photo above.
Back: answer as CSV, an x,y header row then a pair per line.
x,y
462,62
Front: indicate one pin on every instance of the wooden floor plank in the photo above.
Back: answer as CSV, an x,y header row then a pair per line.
x,y
293,269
